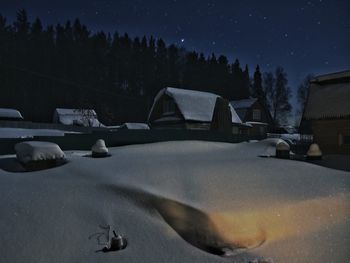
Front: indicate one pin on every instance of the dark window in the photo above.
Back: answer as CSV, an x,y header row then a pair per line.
x,y
257,115
346,139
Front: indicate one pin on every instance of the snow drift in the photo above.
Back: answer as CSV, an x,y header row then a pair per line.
x,y
177,202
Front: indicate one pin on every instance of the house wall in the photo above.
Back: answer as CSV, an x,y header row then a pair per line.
x,y
181,123
332,135
264,115
258,131
158,111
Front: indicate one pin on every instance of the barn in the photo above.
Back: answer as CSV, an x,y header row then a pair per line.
x,y
327,112
192,110
252,112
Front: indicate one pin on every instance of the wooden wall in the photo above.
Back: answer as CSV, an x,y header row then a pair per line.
x,y
329,133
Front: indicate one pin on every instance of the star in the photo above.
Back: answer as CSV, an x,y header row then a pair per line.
x,y
182,40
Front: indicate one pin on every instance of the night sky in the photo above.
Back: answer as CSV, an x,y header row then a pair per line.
x,y
302,36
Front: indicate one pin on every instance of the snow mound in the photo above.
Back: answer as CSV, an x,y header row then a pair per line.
x,y
34,151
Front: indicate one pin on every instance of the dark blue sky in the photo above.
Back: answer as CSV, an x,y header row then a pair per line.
x,y
302,36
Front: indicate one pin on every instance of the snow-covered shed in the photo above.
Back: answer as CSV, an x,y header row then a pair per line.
x,y
10,114
253,112
327,112
190,109
77,117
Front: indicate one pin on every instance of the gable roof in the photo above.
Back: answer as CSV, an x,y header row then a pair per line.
x,y
245,103
330,99
333,77
194,105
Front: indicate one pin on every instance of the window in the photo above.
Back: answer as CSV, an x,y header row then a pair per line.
x,y
346,139
257,115
168,106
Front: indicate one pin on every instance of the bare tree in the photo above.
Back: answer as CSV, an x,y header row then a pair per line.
x,y
278,94
303,92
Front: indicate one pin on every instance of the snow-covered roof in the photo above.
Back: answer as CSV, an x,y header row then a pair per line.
x,y
76,116
328,101
194,105
135,126
245,103
10,114
333,76
62,111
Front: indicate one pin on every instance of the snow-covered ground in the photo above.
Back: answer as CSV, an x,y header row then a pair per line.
x,y
176,202
29,133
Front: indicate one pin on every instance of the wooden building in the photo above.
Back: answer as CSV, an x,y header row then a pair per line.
x,y
252,112
175,108
327,112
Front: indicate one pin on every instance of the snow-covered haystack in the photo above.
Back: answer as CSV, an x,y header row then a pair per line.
x,y
282,150
36,155
99,149
314,152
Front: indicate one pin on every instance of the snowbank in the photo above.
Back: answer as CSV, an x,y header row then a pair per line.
x,y
177,202
29,133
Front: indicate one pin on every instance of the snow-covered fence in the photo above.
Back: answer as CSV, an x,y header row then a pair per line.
x,y
299,143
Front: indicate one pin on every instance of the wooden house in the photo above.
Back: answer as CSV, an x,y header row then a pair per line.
x,y
327,112
175,108
252,112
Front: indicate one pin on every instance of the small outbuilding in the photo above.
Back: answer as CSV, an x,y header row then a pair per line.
x,y
7,114
327,112
192,110
77,117
252,112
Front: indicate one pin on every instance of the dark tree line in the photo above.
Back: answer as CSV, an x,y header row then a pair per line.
x,y
67,65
